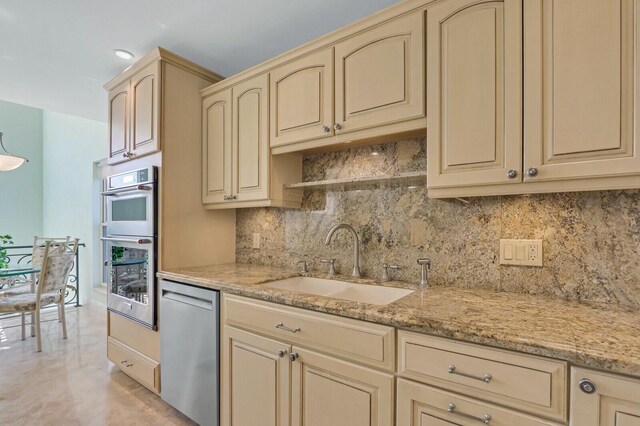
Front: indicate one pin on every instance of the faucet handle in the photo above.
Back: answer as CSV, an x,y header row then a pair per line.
x,y
385,271
305,266
426,266
332,265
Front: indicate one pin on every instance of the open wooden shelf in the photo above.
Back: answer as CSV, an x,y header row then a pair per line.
x,y
410,178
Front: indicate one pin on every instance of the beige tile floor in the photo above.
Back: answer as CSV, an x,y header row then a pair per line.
x,y
71,382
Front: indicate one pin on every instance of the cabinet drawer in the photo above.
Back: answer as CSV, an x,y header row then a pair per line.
x,y
357,341
528,383
138,337
421,405
141,368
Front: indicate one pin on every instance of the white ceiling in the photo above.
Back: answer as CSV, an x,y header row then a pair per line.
x,y
57,54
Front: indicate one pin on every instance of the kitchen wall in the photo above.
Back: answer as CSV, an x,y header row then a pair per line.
x,y
71,199
21,189
591,239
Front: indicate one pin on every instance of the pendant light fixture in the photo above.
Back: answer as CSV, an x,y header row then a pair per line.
x,y
9,161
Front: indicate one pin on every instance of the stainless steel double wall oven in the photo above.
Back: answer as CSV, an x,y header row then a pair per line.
x,y
130,243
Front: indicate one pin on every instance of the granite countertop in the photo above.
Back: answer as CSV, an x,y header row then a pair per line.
x,y
594,335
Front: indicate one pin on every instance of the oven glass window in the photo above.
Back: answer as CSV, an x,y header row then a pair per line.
x,y
129,209
129,273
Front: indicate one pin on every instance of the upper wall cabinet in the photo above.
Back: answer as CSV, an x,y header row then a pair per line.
x,y
580,98
367,85
380,75
475,92
238,170
133,116
302,99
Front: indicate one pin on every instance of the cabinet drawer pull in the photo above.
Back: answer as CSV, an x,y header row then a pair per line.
x,y
486,378
281,326
486,419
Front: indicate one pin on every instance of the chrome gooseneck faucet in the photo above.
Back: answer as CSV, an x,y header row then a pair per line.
x,y
356,246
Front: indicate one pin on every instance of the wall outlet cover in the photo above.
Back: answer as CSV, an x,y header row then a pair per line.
x,y
521,252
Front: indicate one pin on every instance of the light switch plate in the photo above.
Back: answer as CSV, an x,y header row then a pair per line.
x,y
256,240
521,252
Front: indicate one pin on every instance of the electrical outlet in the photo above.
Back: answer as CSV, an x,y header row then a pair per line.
x,y
521,252
256,240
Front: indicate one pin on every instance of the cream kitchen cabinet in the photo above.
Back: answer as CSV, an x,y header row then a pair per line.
x,y
302,99
238,169
255,380
309,369
329,391
579,106
133,115
474,96
380,75
602,399
421,405
378,88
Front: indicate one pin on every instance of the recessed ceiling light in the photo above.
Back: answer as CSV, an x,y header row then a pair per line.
x,y
374,153
123,54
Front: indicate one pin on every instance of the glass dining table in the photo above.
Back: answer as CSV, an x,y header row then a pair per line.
x,y
16,275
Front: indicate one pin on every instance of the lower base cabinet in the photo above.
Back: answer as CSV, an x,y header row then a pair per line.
x,y
255,375
266,382
329,391
601,399
421,405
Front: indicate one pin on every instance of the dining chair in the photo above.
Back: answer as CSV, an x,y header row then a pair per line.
x,y
50,289
60,245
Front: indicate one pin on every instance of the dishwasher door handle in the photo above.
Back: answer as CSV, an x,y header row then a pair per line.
x,y
189,300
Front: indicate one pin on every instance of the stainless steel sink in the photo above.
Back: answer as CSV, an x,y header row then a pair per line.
x,y
364,293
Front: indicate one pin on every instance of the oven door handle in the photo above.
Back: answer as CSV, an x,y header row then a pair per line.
x,y
141,241
122,191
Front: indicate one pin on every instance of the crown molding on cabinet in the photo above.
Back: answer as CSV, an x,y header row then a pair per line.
x,y
160,53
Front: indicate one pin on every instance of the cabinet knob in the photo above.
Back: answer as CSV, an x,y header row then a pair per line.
x,y
337,126
293,356
282,353
511,174
587,386
326,129
532,171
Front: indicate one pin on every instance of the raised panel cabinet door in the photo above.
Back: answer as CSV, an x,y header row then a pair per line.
x,y
380,75
250,135
119,123
581,88
328,391
302,99
255,380
474,100
216,147
144,120
615,400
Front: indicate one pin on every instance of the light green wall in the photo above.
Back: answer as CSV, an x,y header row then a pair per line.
x,y
21,189
71,201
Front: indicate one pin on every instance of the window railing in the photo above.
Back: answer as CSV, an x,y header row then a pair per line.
x,y
21,256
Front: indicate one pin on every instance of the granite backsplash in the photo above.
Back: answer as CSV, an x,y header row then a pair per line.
x,y
591,239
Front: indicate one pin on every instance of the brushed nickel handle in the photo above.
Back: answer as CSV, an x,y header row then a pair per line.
x,y
337,126
512,174
532,172
129,365
326,129
282,353
486,419
293,356
123,362
486,378
281,326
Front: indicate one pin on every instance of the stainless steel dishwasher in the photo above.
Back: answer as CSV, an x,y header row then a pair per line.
x,y
189,336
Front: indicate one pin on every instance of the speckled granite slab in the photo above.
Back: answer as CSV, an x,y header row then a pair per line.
x,y
594,335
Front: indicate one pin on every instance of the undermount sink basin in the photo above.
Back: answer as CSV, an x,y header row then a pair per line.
x,y
364,293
